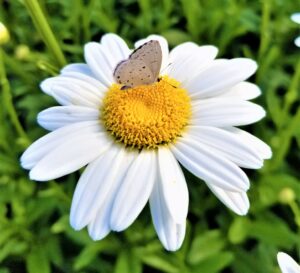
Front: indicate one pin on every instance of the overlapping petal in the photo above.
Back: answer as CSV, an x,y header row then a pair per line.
x,y
243,91
40,148
73,91
100,61
170,233
255,143
224,112
188,59
79,68
95,186
173,185
134,191
113,43
236,201
227,145
209,166
219,76
99,226
59,116
76,152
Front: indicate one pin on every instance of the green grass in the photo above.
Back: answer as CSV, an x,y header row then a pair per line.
x,y
35,235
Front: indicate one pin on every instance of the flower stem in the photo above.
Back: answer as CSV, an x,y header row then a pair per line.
x,y
264,29
44,29
7,100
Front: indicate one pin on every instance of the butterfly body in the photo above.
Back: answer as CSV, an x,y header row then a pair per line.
x,y
141,68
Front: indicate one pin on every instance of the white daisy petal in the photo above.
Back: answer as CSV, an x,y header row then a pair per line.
x,y
100,62
71,91
178,56
59,116
164,48
262,148
182,51
173,185
95,185
243,91
99,227
222,112
236,201
227,145
219,76
296,17
77,152
40,148
188,60
209,166
287,264
92,188
113,43
99,89
81,68
170,233
134,191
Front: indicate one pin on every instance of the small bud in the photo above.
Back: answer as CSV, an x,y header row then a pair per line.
x,y
4,34
286,196
22,52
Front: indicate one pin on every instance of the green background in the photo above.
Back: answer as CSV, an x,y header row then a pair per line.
x,y
35,235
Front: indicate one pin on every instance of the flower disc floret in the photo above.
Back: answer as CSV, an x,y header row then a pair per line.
x,y
146,116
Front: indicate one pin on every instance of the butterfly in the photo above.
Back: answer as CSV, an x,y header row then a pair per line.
x,y
141,68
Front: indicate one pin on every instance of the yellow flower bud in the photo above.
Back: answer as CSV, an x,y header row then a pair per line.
x,y
22,52
286,196
4,34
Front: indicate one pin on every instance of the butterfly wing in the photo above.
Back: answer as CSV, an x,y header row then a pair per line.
x,y
133,72
150,53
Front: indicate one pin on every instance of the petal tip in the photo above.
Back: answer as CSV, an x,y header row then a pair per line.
x,y
46,86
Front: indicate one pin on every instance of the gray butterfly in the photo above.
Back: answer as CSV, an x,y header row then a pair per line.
x,y
141,68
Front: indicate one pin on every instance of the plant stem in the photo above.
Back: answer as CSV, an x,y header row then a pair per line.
x,y
44,29
264,29
7,100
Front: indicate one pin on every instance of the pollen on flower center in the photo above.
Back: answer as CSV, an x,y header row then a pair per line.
x,y
148,115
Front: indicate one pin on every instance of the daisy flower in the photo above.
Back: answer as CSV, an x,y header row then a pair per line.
x,y
287,264
133,136
296,18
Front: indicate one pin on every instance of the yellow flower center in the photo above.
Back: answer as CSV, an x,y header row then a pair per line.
x,y
148,115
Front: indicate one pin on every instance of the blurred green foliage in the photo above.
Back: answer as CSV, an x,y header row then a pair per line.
x,y
35,235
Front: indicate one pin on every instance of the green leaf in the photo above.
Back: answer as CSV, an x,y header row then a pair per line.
x,y
162,262
91,251
86,256
271,230
214,264
205,245
128,263
12,247
37,261
238,230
